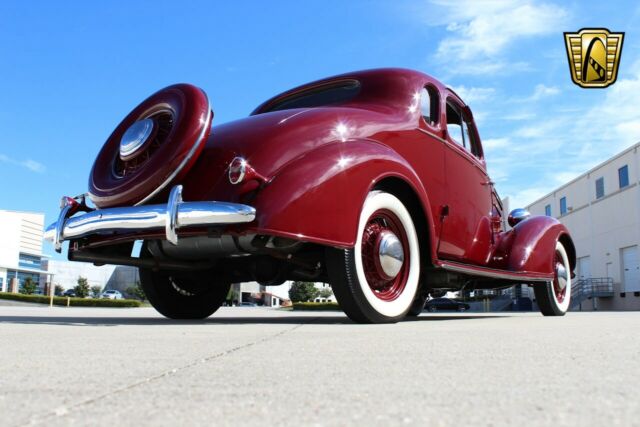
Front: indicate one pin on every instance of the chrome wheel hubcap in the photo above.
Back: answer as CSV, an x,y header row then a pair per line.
x,y
390,254
561,275
135,138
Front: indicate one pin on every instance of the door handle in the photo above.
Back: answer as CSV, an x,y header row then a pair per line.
x,y
488,182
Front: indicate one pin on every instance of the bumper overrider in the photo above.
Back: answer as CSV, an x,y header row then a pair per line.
x,y
172,216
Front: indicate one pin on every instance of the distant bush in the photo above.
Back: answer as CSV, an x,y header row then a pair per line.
x,y
303,291
136,291
76,302
316,306
82,289
29,286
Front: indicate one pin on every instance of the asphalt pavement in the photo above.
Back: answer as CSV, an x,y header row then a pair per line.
x,y
259,366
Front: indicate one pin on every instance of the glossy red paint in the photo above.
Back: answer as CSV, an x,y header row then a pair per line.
x,y
317,165
183,115
530,246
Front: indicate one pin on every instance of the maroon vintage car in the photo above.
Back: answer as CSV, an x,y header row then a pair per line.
x,y
372,181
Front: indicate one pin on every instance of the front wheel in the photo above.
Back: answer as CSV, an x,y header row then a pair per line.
x,y
554,297
377,280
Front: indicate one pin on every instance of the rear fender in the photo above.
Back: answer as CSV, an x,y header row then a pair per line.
x,y
318,197
530,246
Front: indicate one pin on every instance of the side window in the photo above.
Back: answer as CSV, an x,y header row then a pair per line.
x,y
429,105
460,130
454,124
469,137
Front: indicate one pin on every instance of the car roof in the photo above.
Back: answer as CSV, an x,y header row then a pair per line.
x,y
380,85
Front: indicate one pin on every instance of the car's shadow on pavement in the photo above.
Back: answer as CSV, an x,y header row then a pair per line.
x,y
253,320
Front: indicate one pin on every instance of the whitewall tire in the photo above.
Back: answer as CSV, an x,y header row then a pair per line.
x,y
377,280
554,298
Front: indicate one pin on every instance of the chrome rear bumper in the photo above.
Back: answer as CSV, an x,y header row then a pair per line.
x,y
170,217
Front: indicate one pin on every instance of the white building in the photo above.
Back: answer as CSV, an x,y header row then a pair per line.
x,y
273,296
20,249
601,209
66,273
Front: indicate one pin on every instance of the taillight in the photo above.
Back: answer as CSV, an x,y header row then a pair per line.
x,y
237,170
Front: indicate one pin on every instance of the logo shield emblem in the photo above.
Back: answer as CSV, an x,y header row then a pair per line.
x,y
594,56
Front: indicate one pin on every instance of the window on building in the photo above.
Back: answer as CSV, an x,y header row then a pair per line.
x,y
29,261
547,210
623,176
599,188
563,205
429,105
22,276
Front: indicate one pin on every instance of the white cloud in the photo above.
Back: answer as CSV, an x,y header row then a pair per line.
x,y
523,198
520,116
481,31
494,143
557,150
542,91
472,95
29,164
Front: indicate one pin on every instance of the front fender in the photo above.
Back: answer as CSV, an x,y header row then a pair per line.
x,y
530,246
318,196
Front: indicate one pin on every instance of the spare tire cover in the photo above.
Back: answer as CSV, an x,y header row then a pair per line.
x,y
171,127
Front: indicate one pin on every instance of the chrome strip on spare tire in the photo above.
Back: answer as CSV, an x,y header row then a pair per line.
x,y
195,147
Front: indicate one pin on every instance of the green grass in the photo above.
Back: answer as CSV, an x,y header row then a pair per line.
x,y
75,302
316,306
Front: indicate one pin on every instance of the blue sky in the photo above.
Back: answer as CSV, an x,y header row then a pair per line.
x,y
71,71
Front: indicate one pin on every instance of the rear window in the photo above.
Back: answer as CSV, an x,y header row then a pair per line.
x,y
333,93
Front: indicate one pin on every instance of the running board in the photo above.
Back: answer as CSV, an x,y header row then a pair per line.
x,y
474,270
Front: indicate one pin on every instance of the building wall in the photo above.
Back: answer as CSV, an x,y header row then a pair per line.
x,y
21,233
66,273
602,227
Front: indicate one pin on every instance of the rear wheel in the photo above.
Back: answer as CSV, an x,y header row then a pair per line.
x,y
183,294
180,295
377,280
418,305
554,297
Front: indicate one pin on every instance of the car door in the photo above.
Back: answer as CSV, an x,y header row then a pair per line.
x,y
425,147
466,233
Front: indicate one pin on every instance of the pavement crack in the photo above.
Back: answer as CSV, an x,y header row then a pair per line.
x,y
66,409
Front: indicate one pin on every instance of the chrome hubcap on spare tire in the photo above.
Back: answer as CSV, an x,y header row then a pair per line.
x,y
391,254
135,138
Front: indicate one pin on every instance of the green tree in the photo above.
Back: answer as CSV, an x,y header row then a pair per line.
x,y
232,296
82,289
58,290
96,290
326,293
136,291
303,291
29,286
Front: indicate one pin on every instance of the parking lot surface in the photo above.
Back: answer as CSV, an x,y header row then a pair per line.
x,y
258,366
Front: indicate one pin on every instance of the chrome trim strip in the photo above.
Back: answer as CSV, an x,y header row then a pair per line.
x,y
181,166
175,199
488,272
150,217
